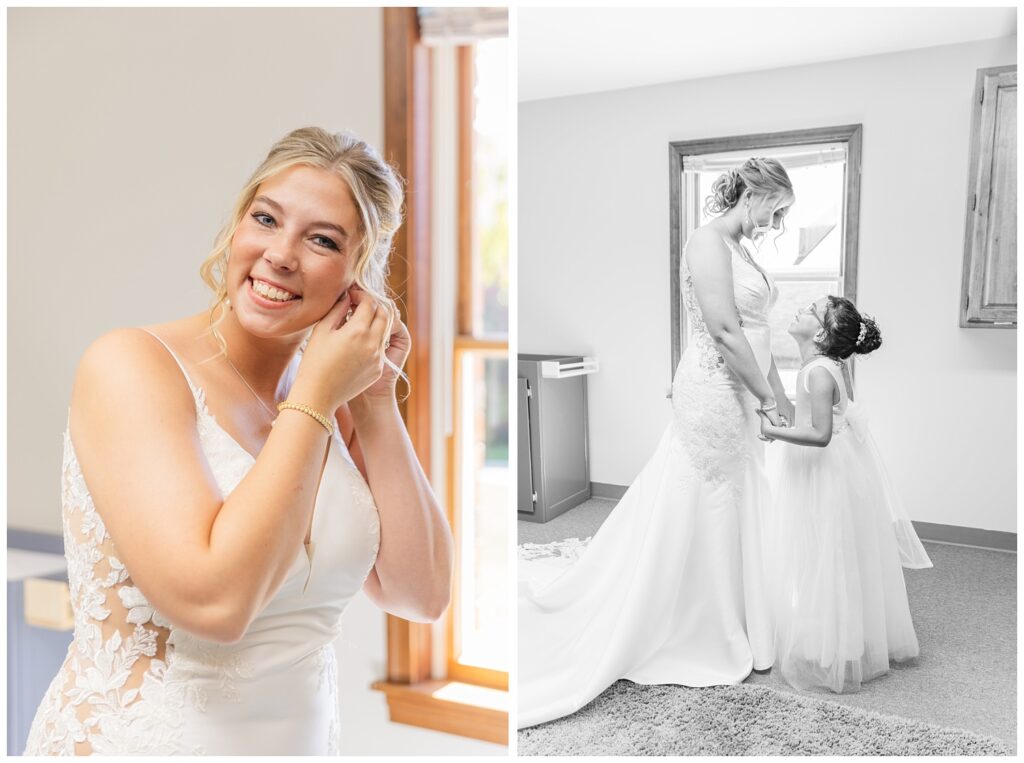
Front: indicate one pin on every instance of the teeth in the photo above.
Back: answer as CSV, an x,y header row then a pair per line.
x,y
271,292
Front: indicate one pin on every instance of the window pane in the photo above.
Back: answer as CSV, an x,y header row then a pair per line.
x,y
482,627
793,295
490,194
811,242
806,258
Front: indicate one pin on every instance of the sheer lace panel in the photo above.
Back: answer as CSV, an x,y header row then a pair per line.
x,y
113,679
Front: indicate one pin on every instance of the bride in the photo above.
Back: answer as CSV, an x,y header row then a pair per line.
x,y
226,492
670,590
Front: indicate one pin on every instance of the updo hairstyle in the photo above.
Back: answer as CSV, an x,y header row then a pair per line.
x,y
847,331
763,176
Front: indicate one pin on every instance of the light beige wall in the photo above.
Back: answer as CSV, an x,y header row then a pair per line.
x,y
593,262
129,133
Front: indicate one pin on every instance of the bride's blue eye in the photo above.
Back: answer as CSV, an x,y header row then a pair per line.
x,y
260,216
326,242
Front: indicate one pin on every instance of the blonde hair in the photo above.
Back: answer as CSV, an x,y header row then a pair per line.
x,y
764,176
376,188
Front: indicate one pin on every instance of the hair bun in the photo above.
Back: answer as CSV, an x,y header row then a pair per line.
x,y
725,192
872,337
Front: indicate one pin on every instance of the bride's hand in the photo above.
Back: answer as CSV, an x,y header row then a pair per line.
x,y
396,350
766,424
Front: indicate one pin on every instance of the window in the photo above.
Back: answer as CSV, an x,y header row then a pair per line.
x,y
816,253
479,644
445,97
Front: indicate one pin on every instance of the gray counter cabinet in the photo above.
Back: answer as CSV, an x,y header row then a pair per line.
x,y
554,468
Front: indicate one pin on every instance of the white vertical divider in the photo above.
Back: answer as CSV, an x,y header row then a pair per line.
x,y
443,258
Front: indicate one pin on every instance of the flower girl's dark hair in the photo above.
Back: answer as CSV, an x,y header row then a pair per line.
x,y
847,331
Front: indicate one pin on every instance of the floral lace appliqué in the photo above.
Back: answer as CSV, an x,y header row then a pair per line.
x,y
113,694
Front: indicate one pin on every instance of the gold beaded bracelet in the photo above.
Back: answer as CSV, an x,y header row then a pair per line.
x,y
323,420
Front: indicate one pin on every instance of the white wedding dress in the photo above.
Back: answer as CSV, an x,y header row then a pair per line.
x,y
671,588
134,684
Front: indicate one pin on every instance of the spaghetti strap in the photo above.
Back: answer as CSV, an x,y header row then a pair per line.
x,y
188,379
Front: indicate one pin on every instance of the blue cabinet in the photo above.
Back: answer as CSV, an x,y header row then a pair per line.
x,y
34,656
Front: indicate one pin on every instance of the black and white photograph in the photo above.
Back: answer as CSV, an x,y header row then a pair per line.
x,y
258,381
766,381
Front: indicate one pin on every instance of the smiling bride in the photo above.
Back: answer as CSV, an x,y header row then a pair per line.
x,y
232,479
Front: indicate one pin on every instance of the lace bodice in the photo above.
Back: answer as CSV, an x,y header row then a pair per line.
x,y
754,294
711,407
134,683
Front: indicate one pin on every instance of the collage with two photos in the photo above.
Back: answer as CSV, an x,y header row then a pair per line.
x,y
512,381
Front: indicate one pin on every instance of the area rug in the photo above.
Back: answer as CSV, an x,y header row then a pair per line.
x,y
630,719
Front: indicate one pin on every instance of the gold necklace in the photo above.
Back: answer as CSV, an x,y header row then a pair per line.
x,y
249,387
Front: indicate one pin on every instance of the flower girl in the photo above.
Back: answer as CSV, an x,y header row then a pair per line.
x,y
841,533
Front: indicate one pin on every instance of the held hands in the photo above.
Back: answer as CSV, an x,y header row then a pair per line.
x,y
787,411
766,425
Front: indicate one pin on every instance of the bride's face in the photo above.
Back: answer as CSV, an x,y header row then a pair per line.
x,y
766,212
809,320
292,254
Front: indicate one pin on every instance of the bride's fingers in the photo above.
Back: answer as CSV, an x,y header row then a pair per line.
x,y
379,325
335,315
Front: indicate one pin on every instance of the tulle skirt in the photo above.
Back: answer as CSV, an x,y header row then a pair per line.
x,y
837,551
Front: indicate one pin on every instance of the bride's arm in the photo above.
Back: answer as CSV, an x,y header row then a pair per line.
x,y
786,408
709,262
412,575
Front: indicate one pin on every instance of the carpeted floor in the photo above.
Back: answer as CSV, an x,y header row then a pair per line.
x,y
628,719
965,614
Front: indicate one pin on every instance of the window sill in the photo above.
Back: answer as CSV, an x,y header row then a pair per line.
x,y
449,706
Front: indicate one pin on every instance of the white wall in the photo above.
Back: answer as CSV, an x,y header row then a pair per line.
x,y
594,259
130,133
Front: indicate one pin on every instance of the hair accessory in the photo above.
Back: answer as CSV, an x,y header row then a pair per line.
x,y
323,420
863,332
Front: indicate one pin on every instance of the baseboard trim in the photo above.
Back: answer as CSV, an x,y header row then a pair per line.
x,y
33,540
601,490
967,536
995,540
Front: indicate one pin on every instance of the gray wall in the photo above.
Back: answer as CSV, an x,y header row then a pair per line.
x,y
593,259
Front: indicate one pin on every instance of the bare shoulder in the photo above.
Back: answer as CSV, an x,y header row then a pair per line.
x,y
705,245
130,367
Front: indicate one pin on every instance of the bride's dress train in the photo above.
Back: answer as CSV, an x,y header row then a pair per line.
x,y
670,590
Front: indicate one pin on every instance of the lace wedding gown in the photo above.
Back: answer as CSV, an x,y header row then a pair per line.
x,y
133,683
670,590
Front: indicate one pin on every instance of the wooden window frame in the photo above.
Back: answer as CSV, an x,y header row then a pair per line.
x,y
848,134
465,341
411,689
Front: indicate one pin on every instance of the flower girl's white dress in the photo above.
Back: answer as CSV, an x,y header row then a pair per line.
x,y
841,535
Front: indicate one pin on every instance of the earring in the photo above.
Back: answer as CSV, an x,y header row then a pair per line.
x,y
227,303
820,336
